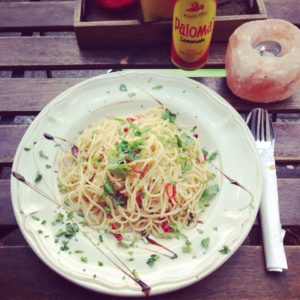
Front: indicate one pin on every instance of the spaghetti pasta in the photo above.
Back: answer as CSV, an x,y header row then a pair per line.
x,y
142,174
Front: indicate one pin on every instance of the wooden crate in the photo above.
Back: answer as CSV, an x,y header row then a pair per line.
x,y
97,28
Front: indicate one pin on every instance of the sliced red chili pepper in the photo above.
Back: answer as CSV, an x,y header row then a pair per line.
x,y
130,119
118,236
167,189
136,151
139,171
165,226
125,129
139,199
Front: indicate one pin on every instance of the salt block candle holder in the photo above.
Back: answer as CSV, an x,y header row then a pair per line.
x,y
263,60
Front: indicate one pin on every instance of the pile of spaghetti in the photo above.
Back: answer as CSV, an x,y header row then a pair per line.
x,y
142,174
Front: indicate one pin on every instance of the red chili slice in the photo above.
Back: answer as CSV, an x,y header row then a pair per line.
x,y
130,119
125,129
165,227
139,199
174,192
118,236
139,171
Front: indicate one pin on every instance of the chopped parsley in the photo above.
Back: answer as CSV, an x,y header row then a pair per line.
x,y
38,177
225,250
186,165
48,167
43,222
120,170
157,87
108,188
79,251
152,259
58,219
169,116
64,246
27,149
84,259
123,87
70,215
205,243
187,248
100,238
100,263
204,152
210,192
212,156
135,274
42,155
40,231
35,218
131,94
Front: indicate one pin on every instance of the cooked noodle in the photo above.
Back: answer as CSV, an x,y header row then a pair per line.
x,y
141,174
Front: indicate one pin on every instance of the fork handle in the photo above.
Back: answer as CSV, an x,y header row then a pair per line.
x,y
270,220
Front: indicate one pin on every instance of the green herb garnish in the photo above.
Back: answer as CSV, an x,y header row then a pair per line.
x,y
40,231
84,259
48,167
38,177
120,170
169,116
78,251
100,238
225,250
205,243
42,155
35,218
188,247
212,156
152,259
210,192
100,263
123,87
108,188
64,246
27,149
157,87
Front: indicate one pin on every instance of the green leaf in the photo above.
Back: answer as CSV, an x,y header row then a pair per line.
x,y
204,152
212,156
186,165
123,87
186,140
120,170
152,259
225,250
157,87
188,247
38,177
42,155
210,192
169,116
205,243
179,141
108,188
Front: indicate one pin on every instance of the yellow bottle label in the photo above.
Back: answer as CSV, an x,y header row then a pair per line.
x,y
193,22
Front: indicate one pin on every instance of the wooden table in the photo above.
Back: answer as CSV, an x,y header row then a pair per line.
x,y
25,93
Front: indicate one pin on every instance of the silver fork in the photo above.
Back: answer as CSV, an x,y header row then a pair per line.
x,y
261,127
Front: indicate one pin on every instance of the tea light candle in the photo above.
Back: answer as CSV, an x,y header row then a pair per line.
x,y
263,60
268,48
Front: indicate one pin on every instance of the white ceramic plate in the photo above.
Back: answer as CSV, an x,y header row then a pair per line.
x,y
227,221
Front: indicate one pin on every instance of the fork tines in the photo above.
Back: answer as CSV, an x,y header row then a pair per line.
x,y
260,124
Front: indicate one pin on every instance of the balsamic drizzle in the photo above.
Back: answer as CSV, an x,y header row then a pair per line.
x,y
144,287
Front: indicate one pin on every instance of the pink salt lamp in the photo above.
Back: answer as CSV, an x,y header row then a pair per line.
x,y
263,60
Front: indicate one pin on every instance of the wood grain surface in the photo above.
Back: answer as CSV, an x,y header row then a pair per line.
x,y
234,280
62,52
58,15
17,99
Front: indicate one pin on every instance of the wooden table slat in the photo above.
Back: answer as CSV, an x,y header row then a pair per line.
x,y
286,150
16,98
234,280
289,191
62,52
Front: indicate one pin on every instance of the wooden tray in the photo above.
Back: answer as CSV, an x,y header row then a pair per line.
x,y
97,28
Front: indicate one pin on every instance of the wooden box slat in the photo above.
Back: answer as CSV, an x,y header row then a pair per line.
x,y
289,191
242,276
36,16
18,16
16,98
40,53
97,28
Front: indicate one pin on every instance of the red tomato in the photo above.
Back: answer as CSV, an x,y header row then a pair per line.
x,y
115,4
